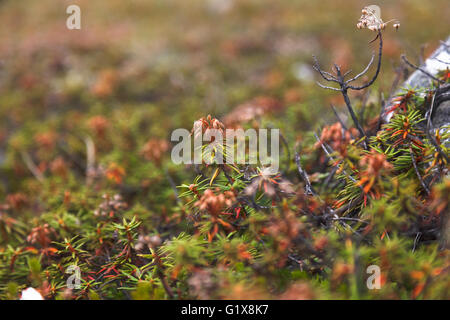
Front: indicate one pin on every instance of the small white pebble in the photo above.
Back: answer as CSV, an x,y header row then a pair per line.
x,y
31,294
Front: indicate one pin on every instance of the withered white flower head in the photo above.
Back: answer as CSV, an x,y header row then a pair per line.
x,y
371,19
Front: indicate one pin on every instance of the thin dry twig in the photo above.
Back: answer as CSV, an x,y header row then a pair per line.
x,y
32,167
420,69
416,240
417,171
308,187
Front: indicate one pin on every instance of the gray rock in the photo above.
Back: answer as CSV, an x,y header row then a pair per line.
x,y
442,115
438,61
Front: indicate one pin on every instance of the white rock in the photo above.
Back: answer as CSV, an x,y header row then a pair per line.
x,y
31,294
439,60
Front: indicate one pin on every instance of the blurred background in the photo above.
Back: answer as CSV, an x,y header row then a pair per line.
x,y
139,69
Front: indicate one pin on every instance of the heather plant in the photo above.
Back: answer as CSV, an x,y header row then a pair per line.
x,y
93,207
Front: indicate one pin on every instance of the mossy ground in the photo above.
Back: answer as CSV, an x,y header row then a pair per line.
x,y
135,72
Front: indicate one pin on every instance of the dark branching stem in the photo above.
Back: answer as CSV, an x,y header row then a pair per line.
x,y
441,61
308,187
416,169
353,115
377,72
345,85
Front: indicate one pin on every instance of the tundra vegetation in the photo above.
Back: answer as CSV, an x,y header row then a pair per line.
x,y
89,192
